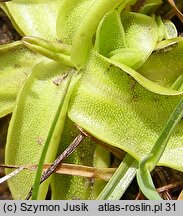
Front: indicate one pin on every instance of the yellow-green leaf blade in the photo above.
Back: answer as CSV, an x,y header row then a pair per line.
x,y
31,121
113,107
34,18
16,63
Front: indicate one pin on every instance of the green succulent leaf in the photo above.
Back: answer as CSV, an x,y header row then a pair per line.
x,y
55,129
149,6
141,34
131,79
54,50
113,107
106,40
161,28
165,65
76,24
34,18
126,56
75,187
146,83
83,36
16,64
101,159
70,16
170,29
149,162
132,41
38,99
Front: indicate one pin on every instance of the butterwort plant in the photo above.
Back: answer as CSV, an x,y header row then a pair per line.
x,y
107,73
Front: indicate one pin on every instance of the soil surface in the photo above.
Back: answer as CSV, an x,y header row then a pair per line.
x,y
7,32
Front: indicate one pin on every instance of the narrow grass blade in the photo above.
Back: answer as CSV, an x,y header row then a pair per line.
x,y
52,128
147,164
121,179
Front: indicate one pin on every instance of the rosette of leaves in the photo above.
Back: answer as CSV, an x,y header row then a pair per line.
x,y
115,73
